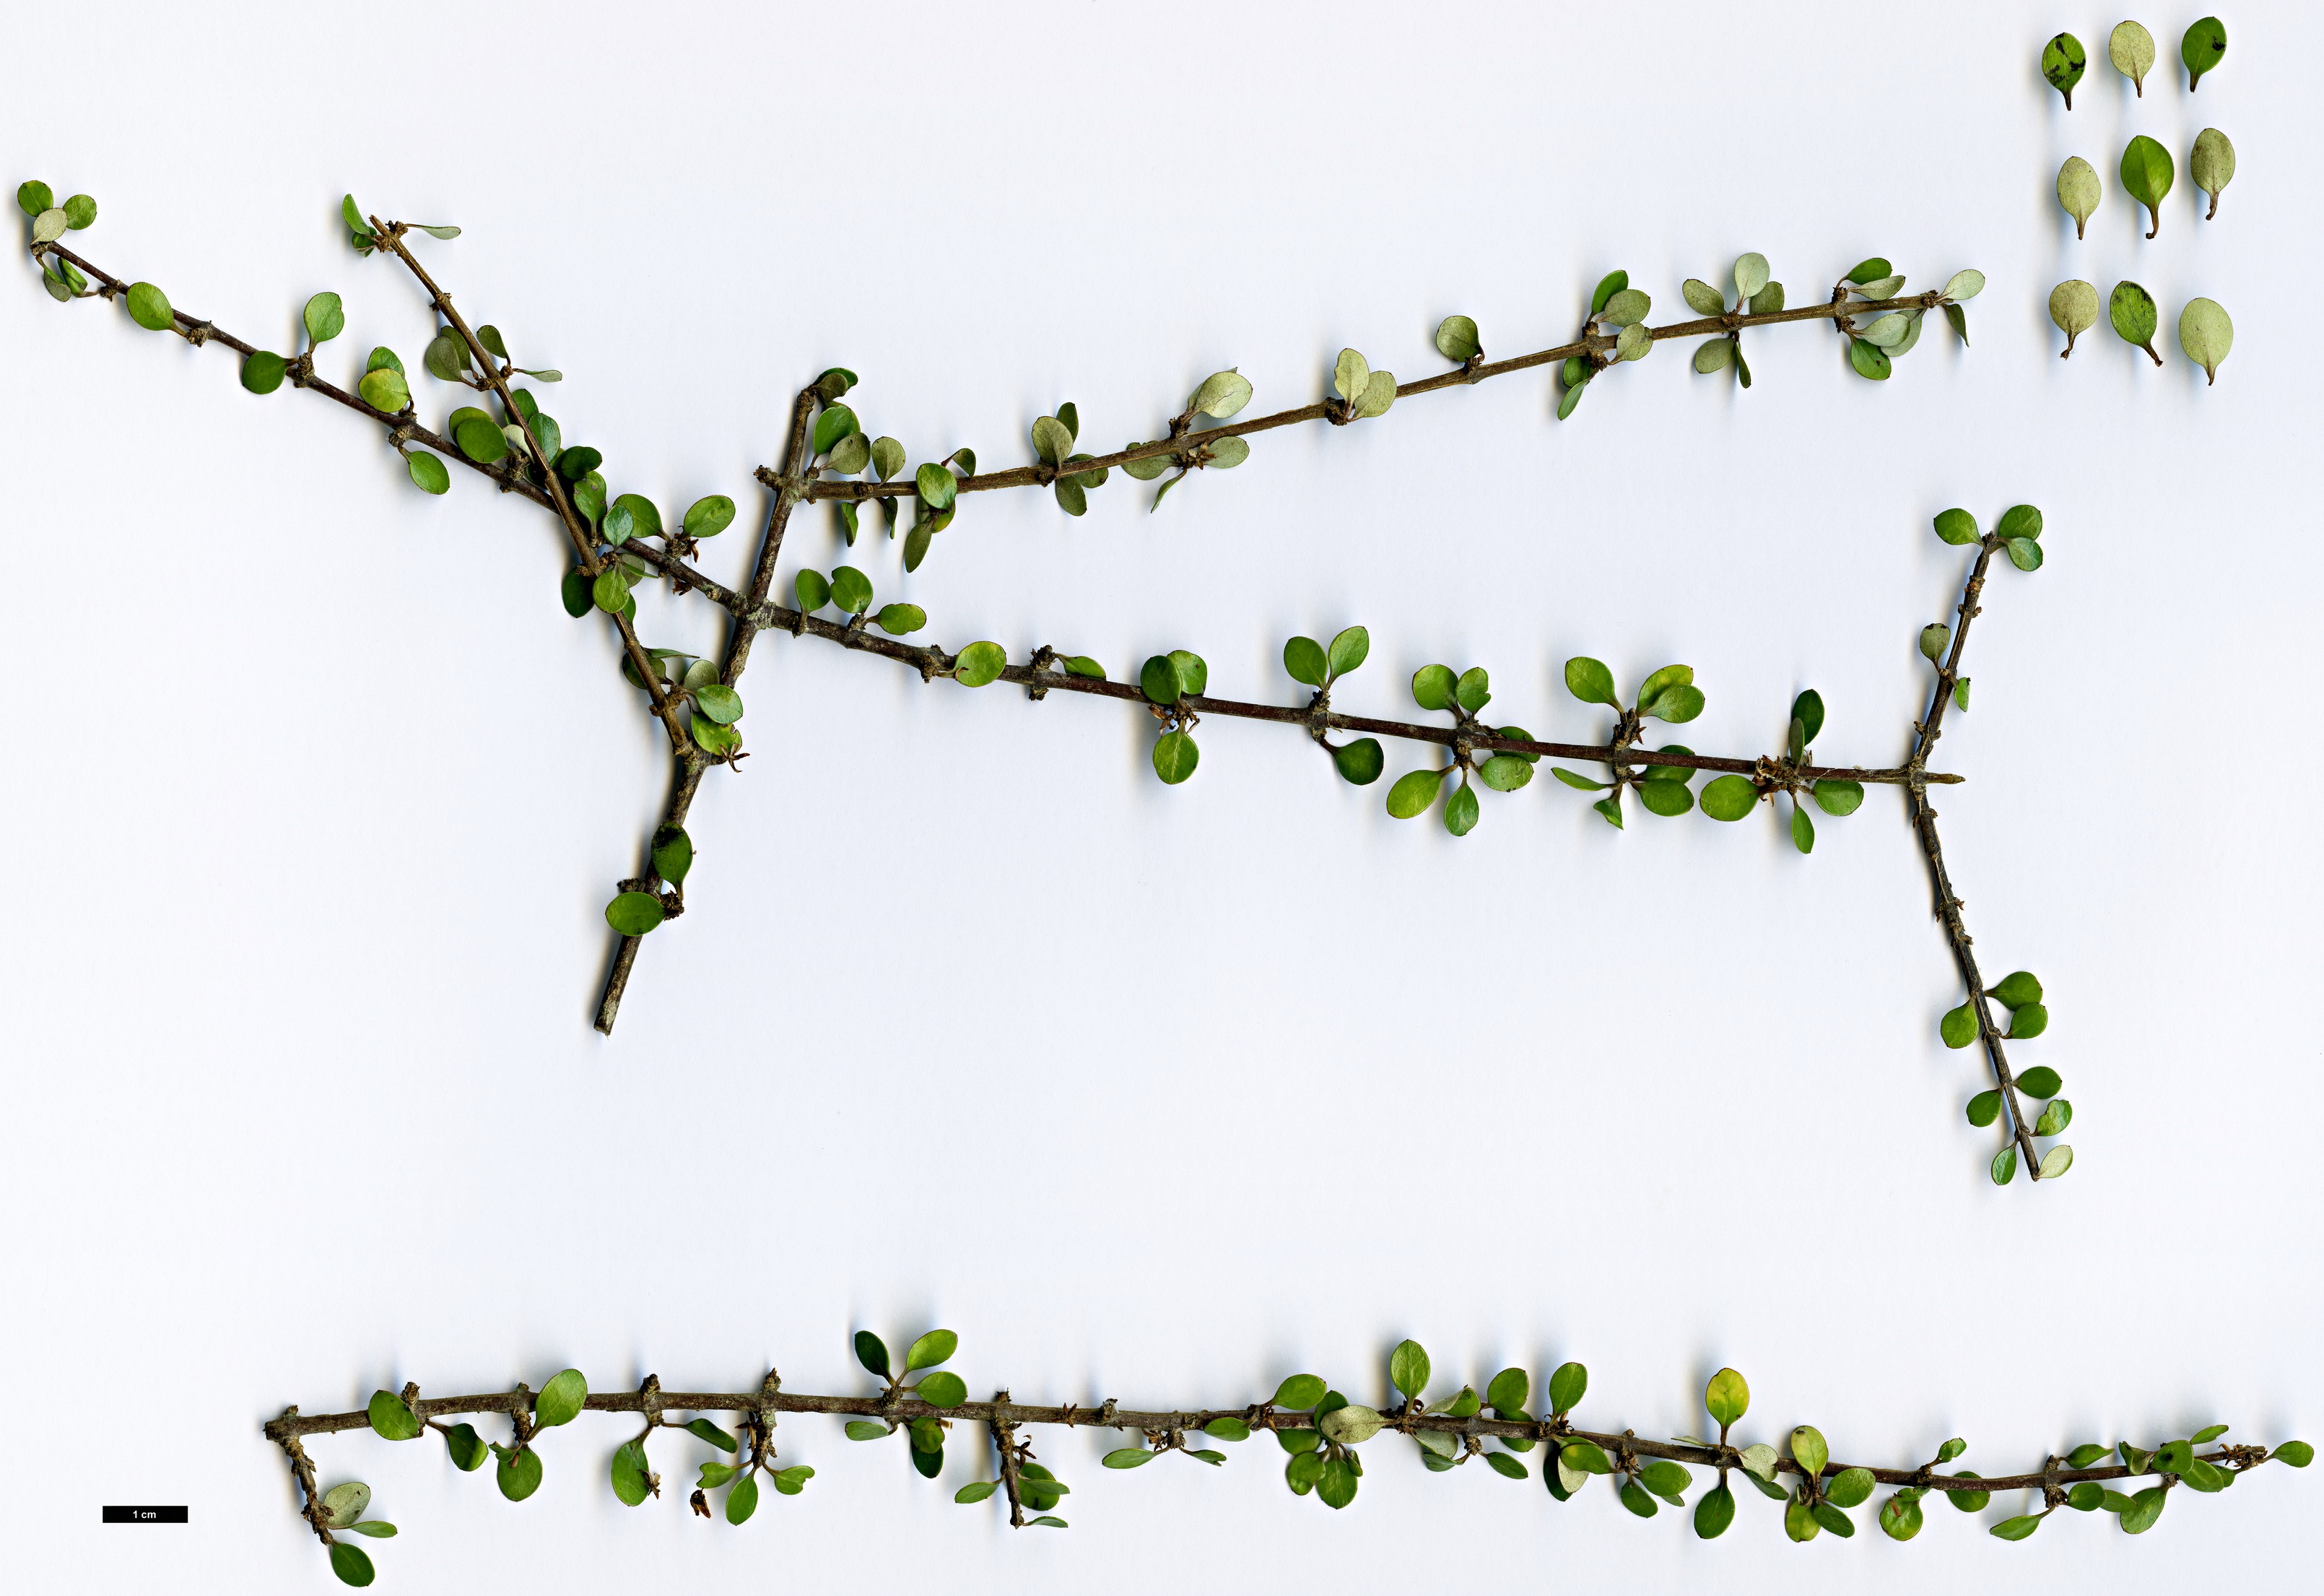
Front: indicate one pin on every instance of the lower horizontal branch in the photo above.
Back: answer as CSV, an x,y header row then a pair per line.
x,y
1108,1416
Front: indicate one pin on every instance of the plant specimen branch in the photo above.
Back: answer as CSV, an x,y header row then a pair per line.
x,y
618,540
1324,1434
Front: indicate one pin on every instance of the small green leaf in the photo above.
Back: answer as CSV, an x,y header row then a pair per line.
x,y
900,619
344,1504
561,1399
2074,308
1729,798
742,1500
2131,310
2146,176
943,1389
1413,794
325,318
1803,828
1750,274
2018,1528
1471,692
2064,61
2213,165
1933,639
1298,1392
1612,283
633,914
871,1352
378,1528
392,1419
1586,679
936,486
1985,1106
1964,284
836,422
1714,1513
2131,48
863,1429
1157,679
1227,1429
2200,49
1456,339
1176,757
1432,686
977,1492
351,1563
1627,306
813,591
790,1482
466,1448
629,1472
611,591
518,1475
1407,1367
1222,394
1460,810
1505,772
1850,1488
1361,762
2206,334
34,197
1584,1457
1304,658
1869,359
1969,1501
428,474
979,663
385,389
2078,191
2005,1165
850,589
2028,1023
2297,1453
2055,1118
935,1347
1349,649
702,1429
719,705
2017,989
1568,1385
2057,1161
1717,354
1960,694
149,308
1809,1451
1728,1396
1838,797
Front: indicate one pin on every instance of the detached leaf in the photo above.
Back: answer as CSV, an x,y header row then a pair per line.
x,y
2146,174
2131,48
2131,308
2078,191
2206,334
2064,61
2201,48
2211,164
2074,306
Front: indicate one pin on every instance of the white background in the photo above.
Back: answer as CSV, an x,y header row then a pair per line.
x,y
1152,1093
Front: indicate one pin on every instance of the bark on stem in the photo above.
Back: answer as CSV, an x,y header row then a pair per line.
x,y
1459,377
1949,905
747,623
903,1410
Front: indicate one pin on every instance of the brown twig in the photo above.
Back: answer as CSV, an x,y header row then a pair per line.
x,y
748,621
1459,376
904,1409
1949,904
